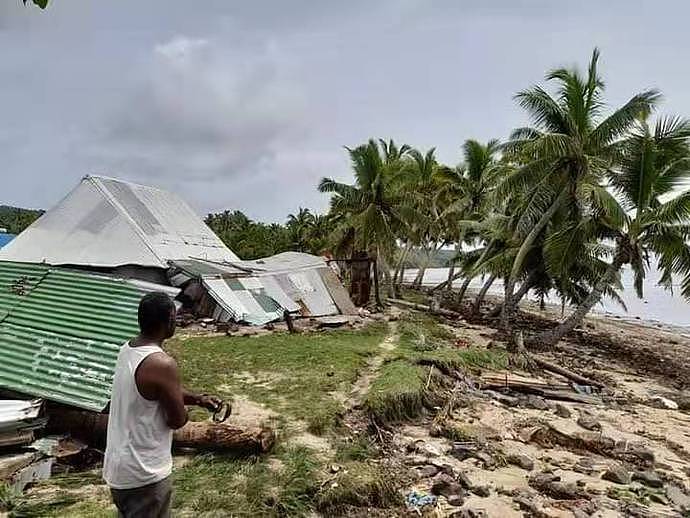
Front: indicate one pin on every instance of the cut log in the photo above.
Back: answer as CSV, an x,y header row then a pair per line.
x,y
203,435
423,307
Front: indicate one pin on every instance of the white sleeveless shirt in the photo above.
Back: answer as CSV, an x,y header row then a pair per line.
x,y
138,449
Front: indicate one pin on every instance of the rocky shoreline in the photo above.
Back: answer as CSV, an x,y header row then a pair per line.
x,y
623,450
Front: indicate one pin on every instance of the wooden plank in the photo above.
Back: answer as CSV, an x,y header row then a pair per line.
x,y
337,291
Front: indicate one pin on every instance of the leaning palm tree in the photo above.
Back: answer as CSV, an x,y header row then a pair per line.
x,y
654,165
569,147
369,209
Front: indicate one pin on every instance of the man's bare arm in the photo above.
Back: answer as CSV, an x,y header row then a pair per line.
x,y
158,379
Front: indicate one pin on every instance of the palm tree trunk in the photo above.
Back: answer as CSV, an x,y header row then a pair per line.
x,y
400,269
482,293
522,254
551,337
517,297
419,279
463,288
442,285
385,272
451,268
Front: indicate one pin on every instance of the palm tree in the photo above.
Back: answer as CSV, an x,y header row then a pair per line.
x,y
370,207
569,147
653,165
469,186
418,180
300,225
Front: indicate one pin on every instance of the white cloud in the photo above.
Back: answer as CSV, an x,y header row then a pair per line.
x,y
180,48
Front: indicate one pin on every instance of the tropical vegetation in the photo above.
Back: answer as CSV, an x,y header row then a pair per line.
x,y
560,207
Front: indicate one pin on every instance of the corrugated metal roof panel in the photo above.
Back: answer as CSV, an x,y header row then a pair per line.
x,y
241,303
13,412
61,332
283,262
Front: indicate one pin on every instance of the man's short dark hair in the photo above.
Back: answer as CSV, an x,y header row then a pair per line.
x,y
154,312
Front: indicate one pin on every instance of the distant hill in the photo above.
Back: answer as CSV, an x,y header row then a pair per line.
x,y
16,219
441,259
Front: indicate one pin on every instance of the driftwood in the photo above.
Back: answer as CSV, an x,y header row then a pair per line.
x,y
572,376
423,307
204,435
524,385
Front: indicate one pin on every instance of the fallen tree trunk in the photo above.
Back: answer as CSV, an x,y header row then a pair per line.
x,y
572,376
424,307
203,435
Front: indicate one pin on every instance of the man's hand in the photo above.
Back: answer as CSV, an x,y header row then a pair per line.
x,y
210,403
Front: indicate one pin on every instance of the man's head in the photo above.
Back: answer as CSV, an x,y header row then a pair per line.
x,y
157,316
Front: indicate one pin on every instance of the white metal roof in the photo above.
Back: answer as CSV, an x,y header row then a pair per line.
x,y
107,222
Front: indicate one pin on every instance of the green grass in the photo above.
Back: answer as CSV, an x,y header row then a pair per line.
x,y
359,485
398,393
285,486
292,374
61,495
359,447
423,340
406,385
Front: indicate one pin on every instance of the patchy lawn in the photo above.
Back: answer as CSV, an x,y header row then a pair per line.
x,y
302,377
304,381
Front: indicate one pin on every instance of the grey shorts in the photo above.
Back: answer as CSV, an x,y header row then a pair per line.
x,y
152,501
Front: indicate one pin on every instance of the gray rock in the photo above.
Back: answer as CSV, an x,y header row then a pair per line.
x,y
678,496
562,411
463,451
445,485
468,513
663,403
428,471
589,422
486,459
464,480
456,500
523,461
536,402
617,474
483,491
648,478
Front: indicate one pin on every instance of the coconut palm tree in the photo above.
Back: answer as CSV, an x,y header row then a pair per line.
x,y
370,208
469,186
300,226
570,146
654,165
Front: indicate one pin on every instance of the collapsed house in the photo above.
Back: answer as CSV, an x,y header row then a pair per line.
x,y
71,282
70,286
137,232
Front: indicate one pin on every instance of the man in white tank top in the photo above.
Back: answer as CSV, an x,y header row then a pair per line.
x,y
147,404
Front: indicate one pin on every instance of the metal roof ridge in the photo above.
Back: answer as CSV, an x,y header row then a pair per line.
x,y
95,180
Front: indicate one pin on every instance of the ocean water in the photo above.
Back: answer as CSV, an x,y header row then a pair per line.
x,y
658,305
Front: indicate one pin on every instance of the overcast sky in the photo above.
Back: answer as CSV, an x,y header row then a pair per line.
x,y
246,105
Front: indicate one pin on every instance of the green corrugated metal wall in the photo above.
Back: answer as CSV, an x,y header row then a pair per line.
x,y
60,332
